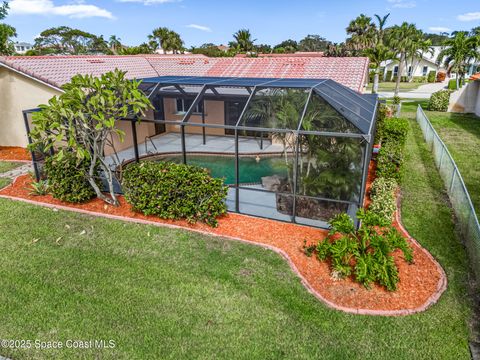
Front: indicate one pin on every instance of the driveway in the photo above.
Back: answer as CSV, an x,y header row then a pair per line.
x,y
422,92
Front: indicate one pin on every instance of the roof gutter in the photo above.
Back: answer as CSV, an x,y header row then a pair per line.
x,y
30,77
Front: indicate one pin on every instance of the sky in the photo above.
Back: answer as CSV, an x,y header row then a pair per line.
x,y
214,21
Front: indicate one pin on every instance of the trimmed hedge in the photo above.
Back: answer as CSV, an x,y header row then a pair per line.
x,y
432,75
382,196
175,191
390,158
439,101
388,76
452,84
67,180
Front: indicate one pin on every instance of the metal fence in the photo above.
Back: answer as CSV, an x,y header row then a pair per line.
x,y
459,196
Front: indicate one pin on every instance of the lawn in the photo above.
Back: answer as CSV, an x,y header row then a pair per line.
x,y
7,166
390,86
163,293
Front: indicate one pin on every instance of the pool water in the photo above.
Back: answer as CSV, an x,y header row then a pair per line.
x,y
250,170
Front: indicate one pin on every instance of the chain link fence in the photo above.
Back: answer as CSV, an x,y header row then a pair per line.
x,y
459,197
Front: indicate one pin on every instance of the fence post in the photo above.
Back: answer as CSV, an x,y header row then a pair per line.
x,y
453,179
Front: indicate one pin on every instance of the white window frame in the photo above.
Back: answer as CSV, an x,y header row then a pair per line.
x,y
425,70
184,109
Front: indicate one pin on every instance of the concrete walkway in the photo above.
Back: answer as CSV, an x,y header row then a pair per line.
x,y
422,92
21,170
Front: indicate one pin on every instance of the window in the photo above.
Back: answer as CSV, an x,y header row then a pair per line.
x,y
425,71
409,71
395,71
184,104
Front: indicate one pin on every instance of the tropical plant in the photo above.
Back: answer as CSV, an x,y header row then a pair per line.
x,y
401,39
83,121
7,32
362,33
243,41
167,40
366,253
459,50
439,100
38,188
115,43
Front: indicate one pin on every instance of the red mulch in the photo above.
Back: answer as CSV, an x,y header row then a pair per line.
x,y
14,153
418,284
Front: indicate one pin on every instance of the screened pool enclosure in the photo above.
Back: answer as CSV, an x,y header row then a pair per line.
x,y
294,150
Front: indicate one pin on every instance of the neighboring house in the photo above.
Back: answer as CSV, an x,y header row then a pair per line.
x,y
22,47
27,82
467,98
417,68
223,48
292,55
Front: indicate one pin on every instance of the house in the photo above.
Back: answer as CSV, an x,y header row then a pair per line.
x,y
22,47
420,67
27,82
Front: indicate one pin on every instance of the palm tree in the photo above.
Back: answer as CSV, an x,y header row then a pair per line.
x,y
115,43
243,40
363,32
459,50
162,35
419,47
400,39
377,55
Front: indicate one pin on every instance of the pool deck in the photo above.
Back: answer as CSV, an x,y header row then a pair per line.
x,y
171,142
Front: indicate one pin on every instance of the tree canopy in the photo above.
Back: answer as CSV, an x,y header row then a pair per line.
x,y
7,32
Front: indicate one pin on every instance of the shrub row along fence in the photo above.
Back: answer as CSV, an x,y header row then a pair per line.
x,y
459,196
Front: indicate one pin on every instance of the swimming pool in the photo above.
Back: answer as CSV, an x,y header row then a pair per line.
x,y
223,166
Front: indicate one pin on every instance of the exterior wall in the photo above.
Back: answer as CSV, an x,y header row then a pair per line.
x,y
214,114
465,99
17,93
144,129
418,71
477,104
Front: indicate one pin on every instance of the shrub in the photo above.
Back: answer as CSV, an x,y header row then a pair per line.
x,y
175,191
395,130
382,114
390,161
431,76
452,84
420,79
382,195
38,188
439,101
388,76
396,100
403,78
67,179
365,253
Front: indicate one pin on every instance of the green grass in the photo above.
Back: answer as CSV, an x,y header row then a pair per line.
x,y
390,86
7,166
461,135
4,182
170,294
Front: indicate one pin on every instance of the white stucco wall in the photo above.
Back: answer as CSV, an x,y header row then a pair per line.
x,y
465,99
418,71
17,93
477,104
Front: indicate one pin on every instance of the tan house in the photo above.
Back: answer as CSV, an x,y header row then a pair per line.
x,y
26,82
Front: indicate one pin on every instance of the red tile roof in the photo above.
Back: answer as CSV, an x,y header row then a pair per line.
x,y
58,70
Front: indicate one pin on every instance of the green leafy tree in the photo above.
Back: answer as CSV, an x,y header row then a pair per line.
x,y
313,43
459,50
286,47
7,32
83,121
400,39
115,43
65,40
168,40
243,41
362,33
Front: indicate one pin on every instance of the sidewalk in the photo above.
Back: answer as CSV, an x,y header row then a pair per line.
x,y
422,92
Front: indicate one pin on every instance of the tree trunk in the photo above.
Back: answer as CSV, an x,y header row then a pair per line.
x,y
399,75
375,82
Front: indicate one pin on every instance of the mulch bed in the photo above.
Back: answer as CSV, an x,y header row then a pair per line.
x,y
13,153
421,283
